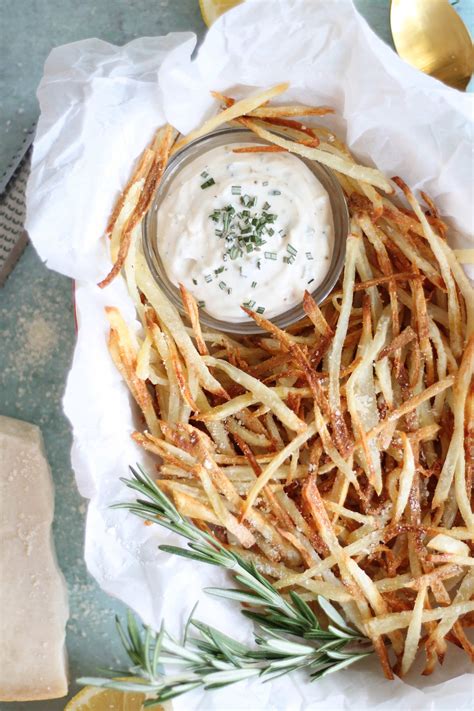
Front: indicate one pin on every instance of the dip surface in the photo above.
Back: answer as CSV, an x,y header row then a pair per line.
x,y
251,229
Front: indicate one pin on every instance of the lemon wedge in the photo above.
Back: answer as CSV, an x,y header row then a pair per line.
x,y
212,9
92,698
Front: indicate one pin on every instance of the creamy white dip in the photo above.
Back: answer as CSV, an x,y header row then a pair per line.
x,y
245,228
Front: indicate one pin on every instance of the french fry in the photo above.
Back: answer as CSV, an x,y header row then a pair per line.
x,y
190,304
313,311
446,544
413,633
454,464
361,400
276,462
385,624
368,175
162,146
464,256
264,394
170,317
337,454
238,108
405,480
455,321
259,149
124,352
436,639
352,249
292,110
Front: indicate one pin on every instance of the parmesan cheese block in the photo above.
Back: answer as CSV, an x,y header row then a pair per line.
x,y
33,602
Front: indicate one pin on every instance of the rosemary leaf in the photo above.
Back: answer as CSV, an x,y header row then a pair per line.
x,y
289,635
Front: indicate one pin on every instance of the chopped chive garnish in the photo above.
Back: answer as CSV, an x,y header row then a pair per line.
x,y
253,284
259,264
236,189
208,183
204,174
310,281
265,183
274,192
260,309
266,205
243,231
249,304
270,255
201,304
291,250
309,256
219,271
289,260
195,282
248,201
208,278
222,285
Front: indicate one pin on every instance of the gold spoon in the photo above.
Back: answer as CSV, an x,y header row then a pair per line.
x,y
430,35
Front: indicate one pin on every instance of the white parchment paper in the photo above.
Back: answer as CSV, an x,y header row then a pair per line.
x,y
99,107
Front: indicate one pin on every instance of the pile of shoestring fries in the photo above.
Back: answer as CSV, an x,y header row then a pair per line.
x,y
337,455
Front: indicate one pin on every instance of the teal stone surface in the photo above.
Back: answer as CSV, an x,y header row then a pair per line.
x,y
36,312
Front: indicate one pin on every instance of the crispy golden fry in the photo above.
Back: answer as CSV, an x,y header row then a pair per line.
x,y
141,171
190,304
172,320
161,151
405,480
238,108
336,455
455,321
313,311
436,640
264,394
454,464
464,256
292,110
403,339
368,175
413,633
297,126
385,624
124,352
259,149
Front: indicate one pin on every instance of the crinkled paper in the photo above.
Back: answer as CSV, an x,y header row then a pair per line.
x,y
99,107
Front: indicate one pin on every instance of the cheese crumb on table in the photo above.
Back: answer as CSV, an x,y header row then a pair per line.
x,y
33,599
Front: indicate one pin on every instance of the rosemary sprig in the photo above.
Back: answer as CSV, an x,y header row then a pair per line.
x,y
289,635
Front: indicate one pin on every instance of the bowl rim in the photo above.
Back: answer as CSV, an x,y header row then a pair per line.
x,y
340,215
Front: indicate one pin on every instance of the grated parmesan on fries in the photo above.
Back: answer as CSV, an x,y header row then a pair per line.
x,y
337,455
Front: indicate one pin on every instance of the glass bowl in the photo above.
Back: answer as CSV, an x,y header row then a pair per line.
x,y
179,160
